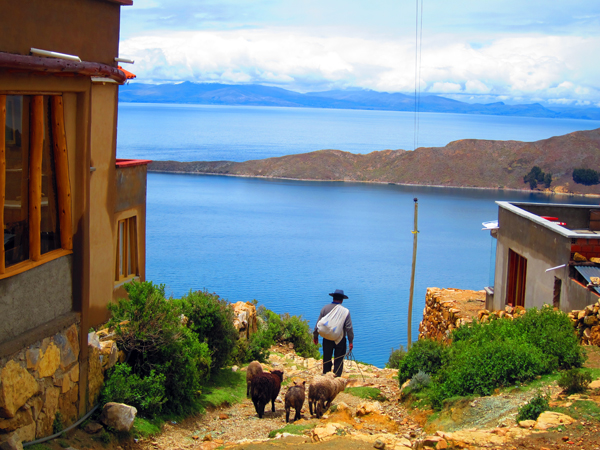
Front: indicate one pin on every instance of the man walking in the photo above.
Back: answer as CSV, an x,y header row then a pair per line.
x,y
329,346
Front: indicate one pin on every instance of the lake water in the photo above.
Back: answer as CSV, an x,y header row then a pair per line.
x,y
241,133
288,244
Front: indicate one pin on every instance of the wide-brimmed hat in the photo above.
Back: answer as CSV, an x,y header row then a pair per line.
x,y
338,293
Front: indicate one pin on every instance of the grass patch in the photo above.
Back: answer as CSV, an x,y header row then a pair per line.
x,y
369,393
224,388
39,447
143,428
581,410
293,429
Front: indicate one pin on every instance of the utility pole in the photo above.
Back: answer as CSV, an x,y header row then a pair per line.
x,y
412,274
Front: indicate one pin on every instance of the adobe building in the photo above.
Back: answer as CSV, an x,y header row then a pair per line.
x,y
546,254
73,215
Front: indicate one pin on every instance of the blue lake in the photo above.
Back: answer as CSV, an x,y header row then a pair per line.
x,y
288,244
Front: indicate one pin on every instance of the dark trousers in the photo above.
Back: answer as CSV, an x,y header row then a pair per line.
x,y
338,352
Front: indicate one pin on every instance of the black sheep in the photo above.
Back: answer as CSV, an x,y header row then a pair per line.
x,y
294,398
265,387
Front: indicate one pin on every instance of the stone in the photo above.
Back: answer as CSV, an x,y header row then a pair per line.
x,y
22,418
594,384
118,416
33,358
527,423
36,403
379,444
49,361
45,419
67,355
320,433
367,408
245,319
581,315
27,433
591,320
109,354
74,373
17,385
95,375
551,419
12,443
72,335
93,428
235,368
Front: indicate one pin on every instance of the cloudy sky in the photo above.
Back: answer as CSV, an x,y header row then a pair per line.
x,y
471,50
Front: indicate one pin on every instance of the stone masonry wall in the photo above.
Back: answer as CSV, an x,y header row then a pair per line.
x,y
447,309
38,382
587,324
43,379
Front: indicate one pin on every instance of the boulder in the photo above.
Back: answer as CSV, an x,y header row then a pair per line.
x,y
551,419
245,320
118,416
12,443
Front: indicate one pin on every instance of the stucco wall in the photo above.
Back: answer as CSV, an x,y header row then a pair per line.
x,y
542,248
35,297
85,28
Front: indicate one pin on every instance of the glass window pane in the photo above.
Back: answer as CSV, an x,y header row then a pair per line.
x,y
16,223
50,232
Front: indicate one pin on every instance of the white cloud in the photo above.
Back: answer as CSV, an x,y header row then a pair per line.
x,y
544,67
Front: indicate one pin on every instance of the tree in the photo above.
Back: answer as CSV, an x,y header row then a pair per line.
x,y
535,176
587,177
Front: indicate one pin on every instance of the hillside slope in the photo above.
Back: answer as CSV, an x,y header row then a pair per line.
x,y
463,163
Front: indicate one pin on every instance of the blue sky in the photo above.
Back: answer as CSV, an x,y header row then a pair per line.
x,y
485,50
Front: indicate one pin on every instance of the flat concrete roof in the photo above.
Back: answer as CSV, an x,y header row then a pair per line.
x,y
515,208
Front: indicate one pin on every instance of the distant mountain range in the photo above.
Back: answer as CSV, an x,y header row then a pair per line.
x,y
256,95
465,163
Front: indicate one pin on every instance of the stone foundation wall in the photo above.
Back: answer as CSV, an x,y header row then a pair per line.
x,y
38,382
43,379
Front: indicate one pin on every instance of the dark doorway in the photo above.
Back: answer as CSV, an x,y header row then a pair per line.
x,y
517,274
557,289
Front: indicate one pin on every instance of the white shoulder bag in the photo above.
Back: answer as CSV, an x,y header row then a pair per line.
x,y
331,326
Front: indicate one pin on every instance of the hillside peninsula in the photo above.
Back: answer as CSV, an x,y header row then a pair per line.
x,y
472,163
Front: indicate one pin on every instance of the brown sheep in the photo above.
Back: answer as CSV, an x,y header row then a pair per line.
x,y
322,391
265,388
253,368
294,398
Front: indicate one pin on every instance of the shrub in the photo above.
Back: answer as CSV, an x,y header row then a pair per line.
x,y
535,176
587,177
419,381
574,381
426,355
395,357
479,369
211,319
156,340
532,409
147,394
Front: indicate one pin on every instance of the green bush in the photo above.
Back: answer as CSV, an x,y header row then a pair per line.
x,y
211,318
147,394
395,357
535,176
426,355
419,381
479,369
532,409
155,339
574,381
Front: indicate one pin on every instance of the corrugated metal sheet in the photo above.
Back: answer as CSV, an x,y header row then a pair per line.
x,y
589,271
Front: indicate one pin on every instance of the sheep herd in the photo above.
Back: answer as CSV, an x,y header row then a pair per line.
x,y
263,387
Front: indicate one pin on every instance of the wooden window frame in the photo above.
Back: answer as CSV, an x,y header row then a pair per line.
x,y
516,280
61,161
126,260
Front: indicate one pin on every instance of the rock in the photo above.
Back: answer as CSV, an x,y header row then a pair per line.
x,y
12,443
109,354
223,416
320,433
245,321
17,385
22,418
367,408
49,362
118,416
527,423
594,384
235,368
67,354
550,419
93,428
379,444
